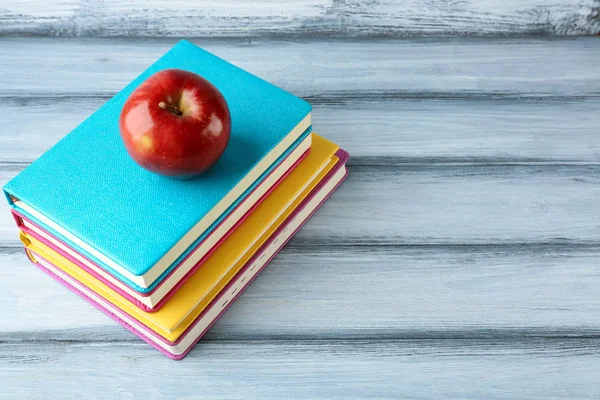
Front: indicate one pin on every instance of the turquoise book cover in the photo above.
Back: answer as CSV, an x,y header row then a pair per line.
x,y
90,186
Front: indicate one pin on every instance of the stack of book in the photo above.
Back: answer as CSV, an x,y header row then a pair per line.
x,y
163,257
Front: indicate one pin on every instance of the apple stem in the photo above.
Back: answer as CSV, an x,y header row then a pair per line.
x,y
173,109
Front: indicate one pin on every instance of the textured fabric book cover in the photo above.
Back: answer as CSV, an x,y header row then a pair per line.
x,y
88,184
201,287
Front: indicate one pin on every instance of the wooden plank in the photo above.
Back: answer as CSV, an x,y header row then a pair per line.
x,y
431,130
422,369
286,18
329,292
523,69
446,204
462,99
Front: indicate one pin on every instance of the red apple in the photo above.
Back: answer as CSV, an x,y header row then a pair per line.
x,y
176,124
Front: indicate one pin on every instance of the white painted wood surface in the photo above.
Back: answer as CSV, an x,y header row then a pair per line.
x,y
406,130
507,292
459,260
292,18
325,71
340,369
498,99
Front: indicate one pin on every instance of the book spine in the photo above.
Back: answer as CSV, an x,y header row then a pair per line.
x,y
9,197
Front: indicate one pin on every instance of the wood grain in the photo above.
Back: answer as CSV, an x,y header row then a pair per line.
x,y
333,71
465,100
291,18
458,261
368,293
466,131
422,369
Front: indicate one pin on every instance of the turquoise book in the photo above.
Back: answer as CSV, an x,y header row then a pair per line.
x,y
137,226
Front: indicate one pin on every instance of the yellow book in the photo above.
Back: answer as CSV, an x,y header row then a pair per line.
x,y
187,303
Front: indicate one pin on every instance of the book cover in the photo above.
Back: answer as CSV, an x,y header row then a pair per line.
x,y
132,219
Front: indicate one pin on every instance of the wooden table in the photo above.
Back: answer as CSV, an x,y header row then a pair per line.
x,y
461,258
